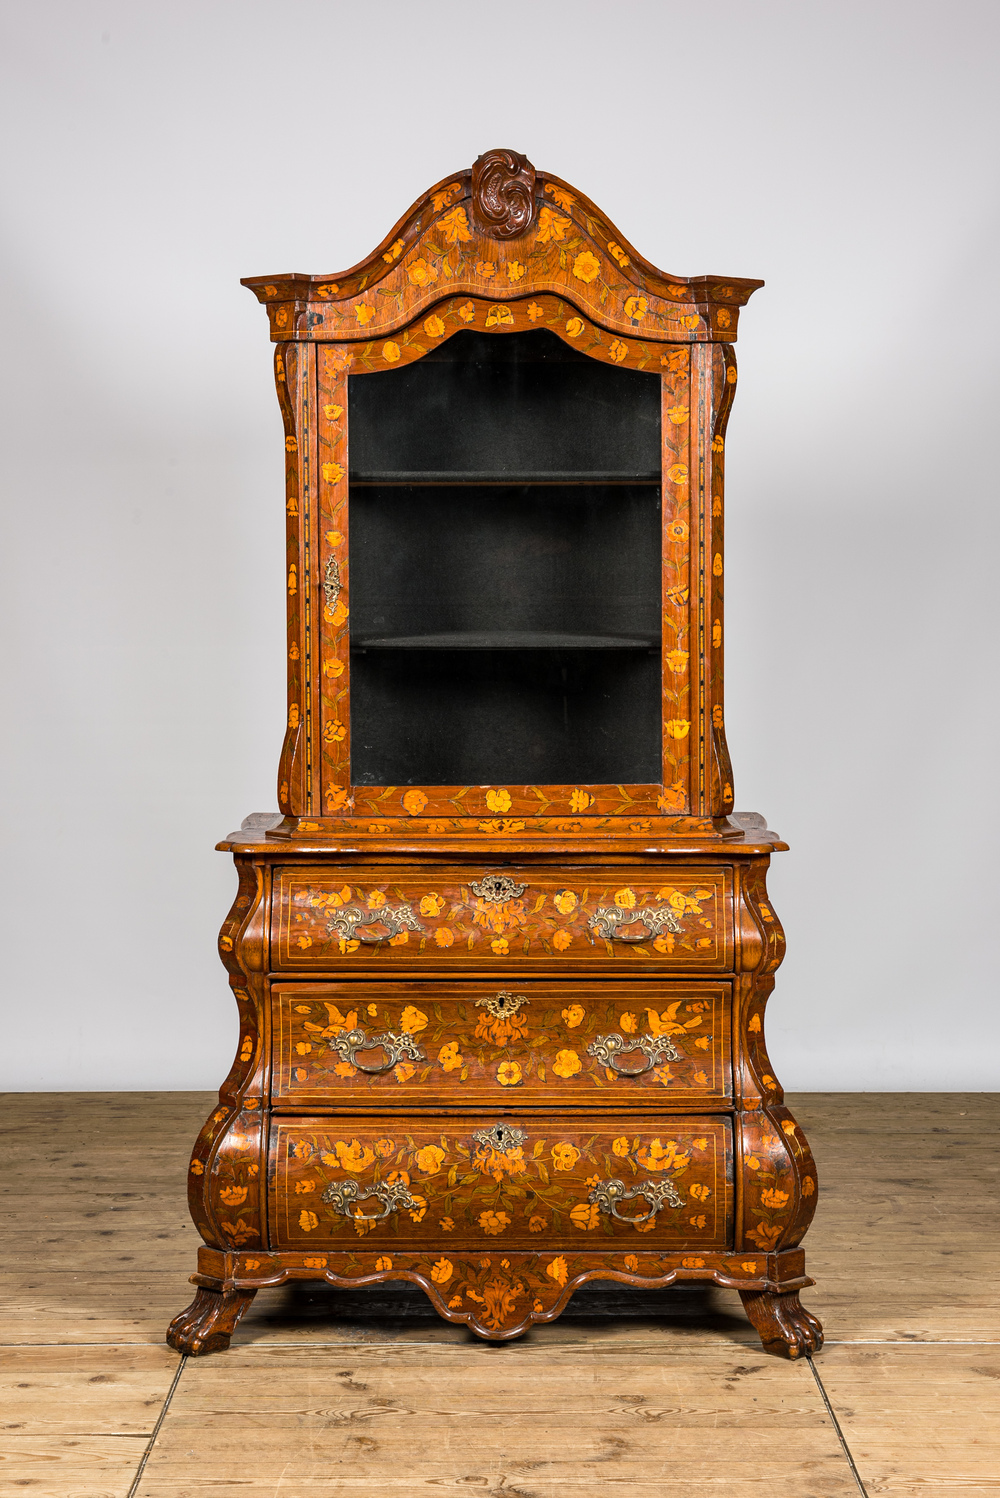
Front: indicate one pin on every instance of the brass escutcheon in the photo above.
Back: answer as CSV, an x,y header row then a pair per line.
x,y
497,889
500,1137
331,582
503,1004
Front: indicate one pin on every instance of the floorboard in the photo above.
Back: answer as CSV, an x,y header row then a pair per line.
x,y
370,1393
920,1417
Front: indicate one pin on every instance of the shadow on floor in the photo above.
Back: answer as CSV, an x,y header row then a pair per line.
x,y
316,1311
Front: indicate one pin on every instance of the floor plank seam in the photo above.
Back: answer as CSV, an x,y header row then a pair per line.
x,y
836,1425
539,1347
133,1489
301,1344
912,1342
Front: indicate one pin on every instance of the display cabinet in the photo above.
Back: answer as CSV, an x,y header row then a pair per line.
x,y
502,956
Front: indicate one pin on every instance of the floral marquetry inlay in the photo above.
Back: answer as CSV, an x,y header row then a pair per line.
x,y
486,229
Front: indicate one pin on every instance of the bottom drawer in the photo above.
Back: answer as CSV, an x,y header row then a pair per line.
x,y
521,1183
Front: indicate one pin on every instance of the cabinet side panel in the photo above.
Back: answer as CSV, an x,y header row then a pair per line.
x,y
224,1179
333,655
679,789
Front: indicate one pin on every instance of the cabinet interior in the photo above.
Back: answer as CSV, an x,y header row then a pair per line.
x,y
505,565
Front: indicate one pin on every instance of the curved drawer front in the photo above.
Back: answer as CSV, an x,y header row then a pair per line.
x,y
500,1183
643,1045
325,920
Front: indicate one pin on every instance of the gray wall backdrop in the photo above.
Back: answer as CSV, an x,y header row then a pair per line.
x,y
157,150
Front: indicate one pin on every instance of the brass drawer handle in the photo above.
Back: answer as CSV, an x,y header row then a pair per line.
x,y
607,1195
656,1048
396,1047
342,1196
355,924
656,918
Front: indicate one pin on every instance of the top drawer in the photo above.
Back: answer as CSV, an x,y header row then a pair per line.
x,y
332,920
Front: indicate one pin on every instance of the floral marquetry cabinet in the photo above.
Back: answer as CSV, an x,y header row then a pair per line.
x,y
502,957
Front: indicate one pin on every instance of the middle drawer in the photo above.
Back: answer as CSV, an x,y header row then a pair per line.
x,y
340,1045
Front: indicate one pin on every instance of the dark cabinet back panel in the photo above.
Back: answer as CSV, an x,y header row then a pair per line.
x,y
507,405
505,632
470,717
582,559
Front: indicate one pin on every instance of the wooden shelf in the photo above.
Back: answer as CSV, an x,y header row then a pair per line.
x,y
505,640
507,480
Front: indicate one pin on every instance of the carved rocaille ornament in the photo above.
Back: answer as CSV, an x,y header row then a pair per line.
x,y
503,193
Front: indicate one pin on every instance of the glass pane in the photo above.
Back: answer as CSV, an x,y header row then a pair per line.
x,y
505,567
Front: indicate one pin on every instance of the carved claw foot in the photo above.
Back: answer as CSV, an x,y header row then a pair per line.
x,y
786,1328
209,1321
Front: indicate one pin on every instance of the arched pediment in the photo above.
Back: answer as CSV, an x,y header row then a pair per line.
x,y
502,232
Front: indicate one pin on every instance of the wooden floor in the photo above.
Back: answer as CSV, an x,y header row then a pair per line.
x,y
372,1395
